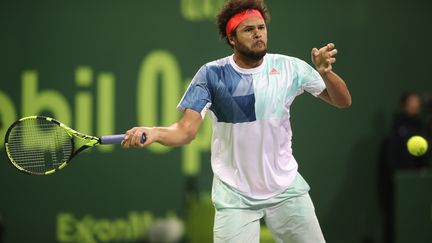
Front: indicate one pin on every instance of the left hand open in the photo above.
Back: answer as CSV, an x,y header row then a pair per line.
x,y
324,58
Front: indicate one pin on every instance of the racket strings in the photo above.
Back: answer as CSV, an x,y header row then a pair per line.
x,y
39,145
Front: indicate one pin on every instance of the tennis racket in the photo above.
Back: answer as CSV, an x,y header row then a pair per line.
x,y
40,145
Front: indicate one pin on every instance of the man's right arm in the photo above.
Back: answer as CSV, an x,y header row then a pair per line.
x,y
179,133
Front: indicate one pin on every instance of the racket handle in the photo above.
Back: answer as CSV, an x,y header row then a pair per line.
x,y
115,139
112,139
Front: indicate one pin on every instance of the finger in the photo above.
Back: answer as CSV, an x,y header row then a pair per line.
x,y
331,60
125,144
132,139
324,50
137,138
333,52
128,139
129,133
315,51
330,46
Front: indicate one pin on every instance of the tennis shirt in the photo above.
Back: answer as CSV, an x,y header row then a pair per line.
x,y
250,112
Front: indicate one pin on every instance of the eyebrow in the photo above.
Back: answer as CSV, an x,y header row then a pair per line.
x,y
248,26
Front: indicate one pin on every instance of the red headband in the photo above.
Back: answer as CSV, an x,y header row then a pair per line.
x,y
240,17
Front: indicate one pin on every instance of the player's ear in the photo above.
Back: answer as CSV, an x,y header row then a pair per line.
x,y
231,39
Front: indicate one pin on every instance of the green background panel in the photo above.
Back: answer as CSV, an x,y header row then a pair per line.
x,y
383,51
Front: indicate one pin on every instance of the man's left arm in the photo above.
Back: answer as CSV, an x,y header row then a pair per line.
x,y
336,92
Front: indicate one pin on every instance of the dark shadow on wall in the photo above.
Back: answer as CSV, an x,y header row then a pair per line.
x,y
354,217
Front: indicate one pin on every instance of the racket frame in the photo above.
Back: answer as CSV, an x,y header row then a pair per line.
x,y
91,142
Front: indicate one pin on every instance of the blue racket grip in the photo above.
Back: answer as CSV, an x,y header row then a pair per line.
x,y
115,139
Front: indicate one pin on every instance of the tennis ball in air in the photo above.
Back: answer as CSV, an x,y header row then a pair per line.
x,y
417,145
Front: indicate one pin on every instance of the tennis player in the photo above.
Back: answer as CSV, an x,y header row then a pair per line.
x,y
248,96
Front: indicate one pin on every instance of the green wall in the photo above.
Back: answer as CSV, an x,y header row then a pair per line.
x,y
102,67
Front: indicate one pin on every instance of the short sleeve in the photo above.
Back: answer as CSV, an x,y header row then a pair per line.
x,y
197,96
308,78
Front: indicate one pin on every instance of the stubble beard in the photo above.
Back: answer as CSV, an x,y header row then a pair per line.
x,y
251,54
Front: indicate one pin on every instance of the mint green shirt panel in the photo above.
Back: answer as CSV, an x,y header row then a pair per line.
x,y
307,77
280,81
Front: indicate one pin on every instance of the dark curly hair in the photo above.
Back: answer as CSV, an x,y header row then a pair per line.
x,y
232,7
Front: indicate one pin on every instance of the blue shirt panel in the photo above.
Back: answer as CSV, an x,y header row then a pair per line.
x,y
230,93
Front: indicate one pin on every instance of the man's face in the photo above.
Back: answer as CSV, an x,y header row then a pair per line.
x,y
413,105
251,38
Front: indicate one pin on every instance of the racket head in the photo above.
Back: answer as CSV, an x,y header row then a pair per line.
x,y
39,145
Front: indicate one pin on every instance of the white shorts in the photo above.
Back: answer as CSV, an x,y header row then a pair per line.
x,y
290,216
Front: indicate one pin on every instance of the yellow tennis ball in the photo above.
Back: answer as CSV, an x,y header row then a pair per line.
x,y
417,145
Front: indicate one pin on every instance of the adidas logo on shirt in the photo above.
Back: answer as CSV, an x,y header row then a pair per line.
x,y
274,72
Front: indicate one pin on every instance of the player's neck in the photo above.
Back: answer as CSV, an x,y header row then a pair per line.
x,y
245,62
